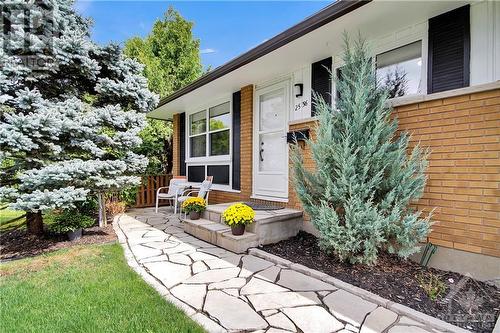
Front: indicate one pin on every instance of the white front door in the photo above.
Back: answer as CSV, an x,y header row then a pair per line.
x,y
270,167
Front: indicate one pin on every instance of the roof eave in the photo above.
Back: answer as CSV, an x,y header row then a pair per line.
x,y
326,15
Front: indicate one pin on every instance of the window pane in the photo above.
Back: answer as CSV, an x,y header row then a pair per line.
x,y
219,143
198,146
198,123
400,70
220,173
220,117
196,173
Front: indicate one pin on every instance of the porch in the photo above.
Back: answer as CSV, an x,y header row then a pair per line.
x,y
271,225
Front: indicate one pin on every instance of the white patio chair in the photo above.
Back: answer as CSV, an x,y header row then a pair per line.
x,y
174,189
202,192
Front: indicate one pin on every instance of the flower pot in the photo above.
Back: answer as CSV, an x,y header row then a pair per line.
x,y
194,215
74,235
238,230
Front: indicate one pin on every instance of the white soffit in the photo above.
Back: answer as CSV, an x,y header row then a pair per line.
x,y
373,20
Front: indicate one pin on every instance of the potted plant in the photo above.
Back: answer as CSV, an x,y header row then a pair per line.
x,y
71,222
237,216
194,206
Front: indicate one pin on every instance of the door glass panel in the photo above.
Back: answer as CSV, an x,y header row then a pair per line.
x,y
272,110
272,156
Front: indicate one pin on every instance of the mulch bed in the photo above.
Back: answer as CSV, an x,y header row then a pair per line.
x,y
467,303
18,244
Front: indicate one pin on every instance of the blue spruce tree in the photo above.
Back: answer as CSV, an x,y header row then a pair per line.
x,y
68,125
366,176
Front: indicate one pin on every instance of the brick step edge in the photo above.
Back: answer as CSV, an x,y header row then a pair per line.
x,y
369,296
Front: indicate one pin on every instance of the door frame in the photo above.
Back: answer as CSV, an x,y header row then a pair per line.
x,y
258,90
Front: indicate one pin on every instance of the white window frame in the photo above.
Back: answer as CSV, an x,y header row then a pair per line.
x,y
394,40
207,159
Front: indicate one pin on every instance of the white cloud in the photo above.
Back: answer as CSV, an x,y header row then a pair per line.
x,y
207,51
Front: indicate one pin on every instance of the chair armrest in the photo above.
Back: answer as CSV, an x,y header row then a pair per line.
x,y
161,188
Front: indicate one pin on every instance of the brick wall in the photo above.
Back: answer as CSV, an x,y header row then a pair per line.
x,y
463,185
463,133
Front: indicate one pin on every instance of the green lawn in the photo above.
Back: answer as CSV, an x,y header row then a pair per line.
x,y
83,289
6,217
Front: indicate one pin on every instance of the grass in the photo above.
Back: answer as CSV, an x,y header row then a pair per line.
x,y
6,220
83,289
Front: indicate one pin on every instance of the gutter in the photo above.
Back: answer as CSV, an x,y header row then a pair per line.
x,y
326,15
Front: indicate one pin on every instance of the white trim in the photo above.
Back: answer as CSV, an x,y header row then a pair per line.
x,y
406,100
216,187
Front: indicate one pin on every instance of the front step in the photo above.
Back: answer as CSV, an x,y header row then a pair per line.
x,y
220,235
270,226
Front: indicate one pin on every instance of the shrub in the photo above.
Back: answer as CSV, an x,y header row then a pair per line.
x,y
359,195
70,220
115,207
194,204
432,285
237,214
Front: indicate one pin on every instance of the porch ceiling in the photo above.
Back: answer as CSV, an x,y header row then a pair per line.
x,y
372,20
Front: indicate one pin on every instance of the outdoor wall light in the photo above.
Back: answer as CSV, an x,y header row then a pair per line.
x,y
298,88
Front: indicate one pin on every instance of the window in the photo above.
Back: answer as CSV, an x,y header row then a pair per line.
x,y
400,70
197,134
221,173
209,144
220,121
216,134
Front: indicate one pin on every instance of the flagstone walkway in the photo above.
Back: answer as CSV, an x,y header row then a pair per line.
x,y
225,292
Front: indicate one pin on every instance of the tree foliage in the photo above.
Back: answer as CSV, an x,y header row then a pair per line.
x,y
359,195
171,58
67,129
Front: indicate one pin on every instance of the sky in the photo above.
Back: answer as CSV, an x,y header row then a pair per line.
x,y
225,29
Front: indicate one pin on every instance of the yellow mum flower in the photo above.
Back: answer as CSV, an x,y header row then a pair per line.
x,y
238,213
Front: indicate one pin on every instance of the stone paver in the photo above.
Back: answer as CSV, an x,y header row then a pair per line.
x,y
348,307
224,291
298,281
378,320
313,319
232,312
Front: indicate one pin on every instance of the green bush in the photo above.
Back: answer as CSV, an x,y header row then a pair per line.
x,y
70,220
366,175
89,207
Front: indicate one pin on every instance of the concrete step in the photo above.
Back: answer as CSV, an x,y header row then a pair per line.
x,y
220,235
270,226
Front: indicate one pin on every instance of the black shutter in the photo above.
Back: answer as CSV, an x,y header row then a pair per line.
x,y
321,82
449,50
236,140
182,144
